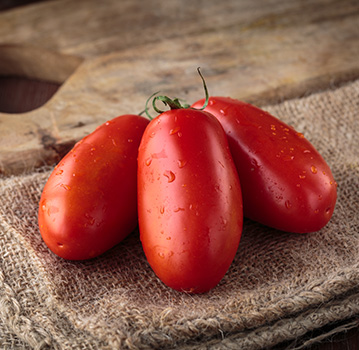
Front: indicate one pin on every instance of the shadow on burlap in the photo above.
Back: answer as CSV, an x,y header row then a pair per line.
x,y
279,287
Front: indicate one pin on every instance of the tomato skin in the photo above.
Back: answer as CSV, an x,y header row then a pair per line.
x,y
189,200
286,183
89,203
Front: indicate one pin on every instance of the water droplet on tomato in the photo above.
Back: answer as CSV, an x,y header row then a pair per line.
x,y
168,238
300,135
288,158
170,175
316,211
313,169
306,151
129,140
162,209
60,244
288,204
107,123
181,163
59,172
163,253
66,187
211,102
148,161
301,176
320,197
175,130
255,162
327,211
176,210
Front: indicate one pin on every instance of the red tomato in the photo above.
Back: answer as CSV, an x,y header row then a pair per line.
x,y
286,183
89,203
189,200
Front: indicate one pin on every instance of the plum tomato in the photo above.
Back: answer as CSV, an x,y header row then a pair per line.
x,y
189,200
89,202
286,183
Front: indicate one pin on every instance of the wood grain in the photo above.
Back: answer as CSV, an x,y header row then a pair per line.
x,y
111,56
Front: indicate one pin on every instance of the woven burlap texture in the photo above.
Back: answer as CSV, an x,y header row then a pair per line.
x,y
279,286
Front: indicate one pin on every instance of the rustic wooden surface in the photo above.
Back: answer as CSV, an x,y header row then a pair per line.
x,y
110,56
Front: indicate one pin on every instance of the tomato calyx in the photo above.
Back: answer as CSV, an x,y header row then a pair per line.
x,y
174,103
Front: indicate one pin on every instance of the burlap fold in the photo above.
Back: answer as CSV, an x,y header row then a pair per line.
x,y
279,287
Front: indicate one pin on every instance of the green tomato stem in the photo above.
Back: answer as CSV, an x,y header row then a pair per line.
x,y
175,103
205,90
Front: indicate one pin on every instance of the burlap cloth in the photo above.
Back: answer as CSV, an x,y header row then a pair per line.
x,y
279,287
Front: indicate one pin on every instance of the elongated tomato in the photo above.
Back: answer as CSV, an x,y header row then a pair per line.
x,y
189,200
286,183
89,203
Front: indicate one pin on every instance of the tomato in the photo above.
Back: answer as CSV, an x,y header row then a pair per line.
x,y
286,183
189,200
89,203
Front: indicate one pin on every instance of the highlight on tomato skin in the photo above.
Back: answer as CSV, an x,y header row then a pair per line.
x,y
286,183
189,200
89,203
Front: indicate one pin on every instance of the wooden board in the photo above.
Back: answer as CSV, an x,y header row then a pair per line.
x,y
110,56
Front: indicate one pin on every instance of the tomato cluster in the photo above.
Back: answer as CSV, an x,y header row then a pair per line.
x,y
186,178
